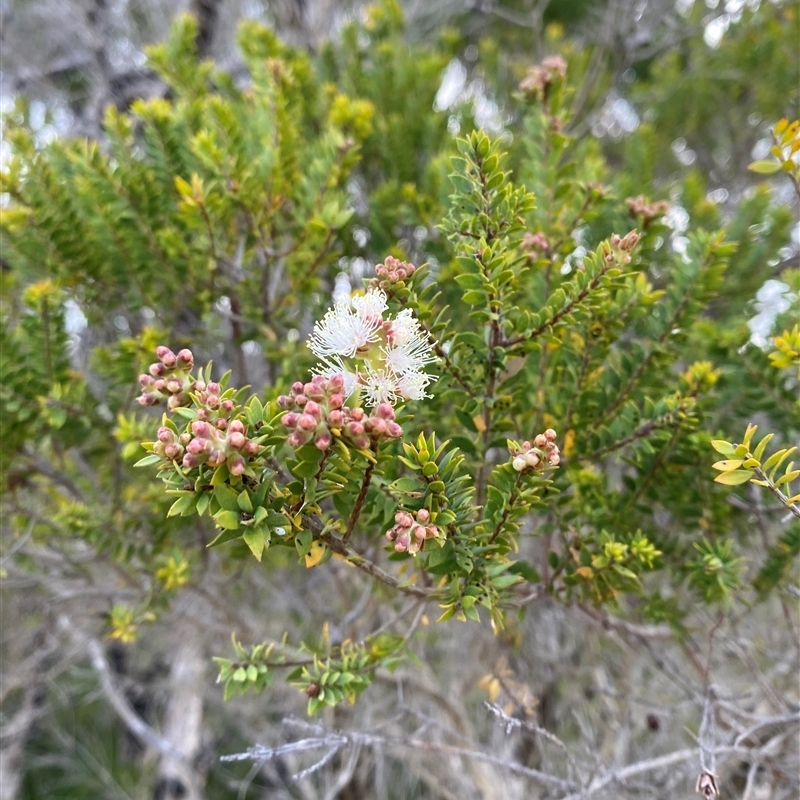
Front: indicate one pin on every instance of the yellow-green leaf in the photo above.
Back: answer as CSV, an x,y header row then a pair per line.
x,y
728,465
734,478
764,167
722,447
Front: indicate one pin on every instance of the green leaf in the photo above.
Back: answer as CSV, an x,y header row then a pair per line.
x,y
255,540
764,167
153,458
228,520
734,478
723,447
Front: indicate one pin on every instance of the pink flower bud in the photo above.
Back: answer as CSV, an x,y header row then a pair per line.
x,y
518,463
313,409
201,429
202,413
335,401
554,459
145,380
551,434
237,440
540,441
198,446
336,382
177,400
216,458
296,440
284,401
199,386
237,426
423,515
165,354
165,435
190,461
222,424
212,401
297,387
384,411
313,391
252,448
378,426
433,531
335,418
404,519
174,386
212,388
419,533
532,458
173,451
306,422
323,441
236,465
394,430
185,358
185,438
226,406
362,442
300,400
355,429
290,419
357,414
147,399
156,370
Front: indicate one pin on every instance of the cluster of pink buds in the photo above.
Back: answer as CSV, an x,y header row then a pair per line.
x,y
392,271
316,411
411,530
542,453
640,207
535,243
620,248
168,379
539,78
209,443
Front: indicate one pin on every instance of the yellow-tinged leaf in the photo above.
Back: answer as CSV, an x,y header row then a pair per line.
x,y
722,447
585,572
788,477
480,424
728,465
569,443
315,554
762,445
734,478
748,435
781,125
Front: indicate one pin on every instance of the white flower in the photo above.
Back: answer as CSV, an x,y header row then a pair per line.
x,y
412,385
379,386
381,358
370,305
342,333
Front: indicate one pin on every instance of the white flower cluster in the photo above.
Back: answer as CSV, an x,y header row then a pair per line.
x,y
379,357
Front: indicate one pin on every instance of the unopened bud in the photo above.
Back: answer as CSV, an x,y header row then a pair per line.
x,y
237,440
165,434
323,441
237,426
236,465
185,358
519,463
551,435
306,422
335,418
394,430
201,429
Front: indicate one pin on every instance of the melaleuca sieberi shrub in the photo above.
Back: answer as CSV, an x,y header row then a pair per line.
x,y
476,393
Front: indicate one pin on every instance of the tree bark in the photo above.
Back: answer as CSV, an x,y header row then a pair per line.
x,y
180,777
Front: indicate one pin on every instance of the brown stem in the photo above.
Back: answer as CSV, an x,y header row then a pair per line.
x,y
362,495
